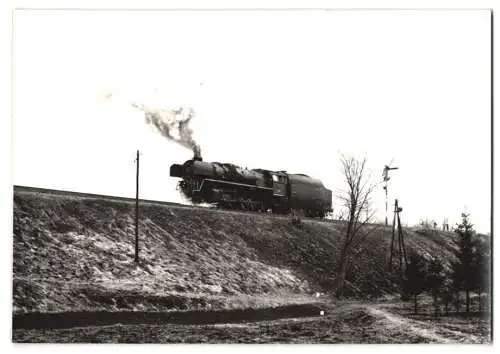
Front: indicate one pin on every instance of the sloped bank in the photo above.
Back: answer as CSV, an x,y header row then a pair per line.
x,y
75,253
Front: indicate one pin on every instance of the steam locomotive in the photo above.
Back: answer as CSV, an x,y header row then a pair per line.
x,y
229,186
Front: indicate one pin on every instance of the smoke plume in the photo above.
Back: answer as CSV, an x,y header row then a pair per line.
x,y
173,124
171,121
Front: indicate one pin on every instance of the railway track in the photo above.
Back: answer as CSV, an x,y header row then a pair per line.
x,y
92,196
27,189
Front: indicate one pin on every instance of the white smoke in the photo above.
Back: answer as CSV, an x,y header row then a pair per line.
x,y
170,121
173,124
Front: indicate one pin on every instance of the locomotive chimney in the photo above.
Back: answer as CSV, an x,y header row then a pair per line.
x,y
197,153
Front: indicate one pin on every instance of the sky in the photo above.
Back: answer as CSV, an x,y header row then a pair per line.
x,y
280,90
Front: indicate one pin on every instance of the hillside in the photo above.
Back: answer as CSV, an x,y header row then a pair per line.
x,y
75,253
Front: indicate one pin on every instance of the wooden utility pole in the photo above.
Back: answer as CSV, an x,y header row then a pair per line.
x,y
403,261
137,209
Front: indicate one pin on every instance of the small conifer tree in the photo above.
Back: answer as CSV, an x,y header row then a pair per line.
x,y
415,280
464,274
435,281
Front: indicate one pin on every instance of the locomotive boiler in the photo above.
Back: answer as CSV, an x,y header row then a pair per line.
x,y
229,186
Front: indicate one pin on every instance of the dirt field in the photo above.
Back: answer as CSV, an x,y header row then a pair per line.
x,y
343,323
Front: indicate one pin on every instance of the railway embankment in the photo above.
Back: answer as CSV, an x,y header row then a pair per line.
x,y
75,253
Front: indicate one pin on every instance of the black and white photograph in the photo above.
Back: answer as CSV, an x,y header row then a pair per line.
x,y
256,176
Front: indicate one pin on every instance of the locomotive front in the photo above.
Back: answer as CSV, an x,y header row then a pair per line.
x,y
224,184
192,173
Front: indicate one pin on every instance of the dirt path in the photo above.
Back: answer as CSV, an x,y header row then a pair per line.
x,y
342,323
92,319
429,330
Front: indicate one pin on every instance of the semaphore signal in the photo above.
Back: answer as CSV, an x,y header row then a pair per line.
x,y
386,178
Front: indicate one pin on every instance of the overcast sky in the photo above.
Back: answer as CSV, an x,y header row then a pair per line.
x,y
278,90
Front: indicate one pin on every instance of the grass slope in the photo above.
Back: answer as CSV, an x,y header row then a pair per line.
x,y
76,253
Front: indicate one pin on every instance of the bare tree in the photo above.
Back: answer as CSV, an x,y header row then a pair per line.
x,y
356,202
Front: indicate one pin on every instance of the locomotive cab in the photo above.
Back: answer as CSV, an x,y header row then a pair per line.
x,y
280,182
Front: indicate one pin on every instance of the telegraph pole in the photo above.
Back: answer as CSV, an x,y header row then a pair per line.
x,y
136,259
403,260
